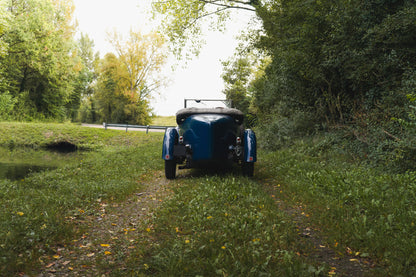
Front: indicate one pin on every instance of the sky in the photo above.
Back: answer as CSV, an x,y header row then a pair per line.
x,y
199,78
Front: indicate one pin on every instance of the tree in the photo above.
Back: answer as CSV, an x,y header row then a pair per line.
x,y
4,24
38,67
183,20
109,92
142,57
84,81
127,80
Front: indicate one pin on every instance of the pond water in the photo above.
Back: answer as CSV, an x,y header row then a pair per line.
x,y
16,164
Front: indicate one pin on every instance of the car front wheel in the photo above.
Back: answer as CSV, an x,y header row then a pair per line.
x,y
170,169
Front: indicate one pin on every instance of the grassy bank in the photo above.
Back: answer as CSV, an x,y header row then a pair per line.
x,y
365,211
36,212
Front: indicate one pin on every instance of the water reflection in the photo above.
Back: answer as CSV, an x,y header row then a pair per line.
x,y
16,164
20,171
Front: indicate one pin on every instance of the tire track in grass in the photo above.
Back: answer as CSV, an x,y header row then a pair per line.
x,y
342,261
109,235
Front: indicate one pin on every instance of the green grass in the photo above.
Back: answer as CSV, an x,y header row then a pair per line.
x,y
164,121
212,224
221,225
36,212
364,209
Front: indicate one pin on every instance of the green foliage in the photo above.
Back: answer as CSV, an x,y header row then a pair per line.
x,y
4,24
236,78
83,83
38,62
339,65
183,21
36,212
7,103
113,105
358,206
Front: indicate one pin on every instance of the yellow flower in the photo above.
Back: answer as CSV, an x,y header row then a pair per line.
x,y
223,247
209,217
107,253
187,241
20,213
148,230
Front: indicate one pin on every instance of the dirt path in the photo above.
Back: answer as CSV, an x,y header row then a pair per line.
x,y
111,234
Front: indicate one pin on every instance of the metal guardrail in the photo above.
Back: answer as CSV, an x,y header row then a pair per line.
x,y
129,126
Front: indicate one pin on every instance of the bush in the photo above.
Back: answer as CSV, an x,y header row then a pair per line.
x,y
277,131
7,103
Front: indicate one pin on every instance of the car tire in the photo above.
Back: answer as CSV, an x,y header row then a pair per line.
x,y
170,169
248,169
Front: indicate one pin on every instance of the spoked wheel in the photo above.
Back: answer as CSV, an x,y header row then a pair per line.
x,y
248,169
170,169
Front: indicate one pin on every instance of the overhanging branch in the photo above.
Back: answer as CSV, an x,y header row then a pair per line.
x,y
216,3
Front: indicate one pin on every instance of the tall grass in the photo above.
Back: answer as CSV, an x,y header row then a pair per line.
x,y
36,212
361,207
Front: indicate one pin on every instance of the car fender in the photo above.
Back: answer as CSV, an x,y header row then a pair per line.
x,y
250,146
169,141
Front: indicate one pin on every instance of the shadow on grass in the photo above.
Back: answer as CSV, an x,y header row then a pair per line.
x,y
210,170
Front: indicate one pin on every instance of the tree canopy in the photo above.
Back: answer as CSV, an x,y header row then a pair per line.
x,y
183,21
37,67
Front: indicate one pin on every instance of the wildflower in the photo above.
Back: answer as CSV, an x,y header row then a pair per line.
x,y
20,213
209,217
223,247
187,241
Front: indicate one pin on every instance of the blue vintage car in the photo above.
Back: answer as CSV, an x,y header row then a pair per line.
x,y
209,136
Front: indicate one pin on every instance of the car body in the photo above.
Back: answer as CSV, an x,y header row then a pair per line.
x,y
207,136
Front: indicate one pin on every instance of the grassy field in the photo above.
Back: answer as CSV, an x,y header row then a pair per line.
x,y
164,121
213,223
